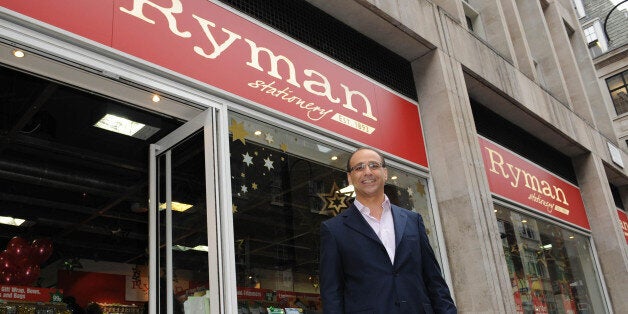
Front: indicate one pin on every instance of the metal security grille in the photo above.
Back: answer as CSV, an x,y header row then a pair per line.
x,y
315,28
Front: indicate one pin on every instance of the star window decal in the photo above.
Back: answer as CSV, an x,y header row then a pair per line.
x,y
238,131
269,138
334,201
268,163
247,159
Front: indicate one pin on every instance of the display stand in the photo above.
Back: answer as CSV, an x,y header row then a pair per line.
x,y
18,307
121,309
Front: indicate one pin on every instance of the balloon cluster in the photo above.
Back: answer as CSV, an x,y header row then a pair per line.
x,y
19,263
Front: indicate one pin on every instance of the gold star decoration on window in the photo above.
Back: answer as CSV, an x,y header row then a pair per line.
x,y
333,202
238,132
420,188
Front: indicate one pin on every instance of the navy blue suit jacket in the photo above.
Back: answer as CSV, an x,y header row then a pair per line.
x,y
357,276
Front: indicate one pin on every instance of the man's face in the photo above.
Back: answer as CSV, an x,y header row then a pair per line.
x,y
369,180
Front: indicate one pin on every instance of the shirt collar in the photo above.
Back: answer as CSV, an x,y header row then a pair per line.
x,y
367,211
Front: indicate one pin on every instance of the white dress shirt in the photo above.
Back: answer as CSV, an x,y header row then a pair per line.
x,y
384,228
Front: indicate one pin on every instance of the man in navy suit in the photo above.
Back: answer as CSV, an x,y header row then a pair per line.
x,y
375,256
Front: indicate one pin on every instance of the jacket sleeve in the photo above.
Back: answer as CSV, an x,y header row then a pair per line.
x,y
438,291
331,274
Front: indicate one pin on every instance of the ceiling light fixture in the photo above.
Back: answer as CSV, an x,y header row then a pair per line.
x,y
201,248
334,157
323,149
11,221
119,125
124,126
258,133
156,98
176,206
393,178
18,53
349,191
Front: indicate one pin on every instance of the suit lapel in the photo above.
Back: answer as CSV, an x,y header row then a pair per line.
x,y
354,220
399,219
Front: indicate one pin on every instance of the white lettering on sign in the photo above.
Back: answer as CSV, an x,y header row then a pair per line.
x,y
265,60
353,123
314,112
518,175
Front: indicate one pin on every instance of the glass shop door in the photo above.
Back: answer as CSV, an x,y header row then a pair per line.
x,y
183,238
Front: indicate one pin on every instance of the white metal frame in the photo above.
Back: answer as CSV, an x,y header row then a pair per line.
x,y
205,120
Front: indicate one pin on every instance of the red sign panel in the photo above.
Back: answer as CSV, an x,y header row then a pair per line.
x,y
211,44
519,180
623,220
30,294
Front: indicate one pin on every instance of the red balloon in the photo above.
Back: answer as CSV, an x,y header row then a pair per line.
x,y
41,249
18,248
29,273
7,277
7,262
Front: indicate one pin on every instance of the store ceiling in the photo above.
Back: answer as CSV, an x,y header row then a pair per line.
x,y
81,186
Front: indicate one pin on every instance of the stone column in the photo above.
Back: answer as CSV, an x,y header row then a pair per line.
x,y
477,264
605,228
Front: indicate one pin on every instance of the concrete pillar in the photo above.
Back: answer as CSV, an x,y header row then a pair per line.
x,y
542,48
478,269
605,228
495,27
518,38
567,61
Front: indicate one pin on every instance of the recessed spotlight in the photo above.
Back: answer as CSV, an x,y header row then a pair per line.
x,y
18,53
258,133
571,237
156,98
524,221
334,157
394,177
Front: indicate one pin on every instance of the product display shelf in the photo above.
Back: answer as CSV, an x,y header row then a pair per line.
x,y
121,309
17,307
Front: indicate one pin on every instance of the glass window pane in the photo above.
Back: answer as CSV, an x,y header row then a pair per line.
x,y
190,270
589,33
551,268
620,100
284,185
615,82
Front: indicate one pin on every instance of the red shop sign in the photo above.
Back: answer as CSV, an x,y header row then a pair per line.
x,y
623,220
519,180
209,43
30,294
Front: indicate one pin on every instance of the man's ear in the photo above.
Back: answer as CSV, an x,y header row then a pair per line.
x,y
349,178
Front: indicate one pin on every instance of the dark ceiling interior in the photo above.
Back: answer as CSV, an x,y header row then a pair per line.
x,y
80,186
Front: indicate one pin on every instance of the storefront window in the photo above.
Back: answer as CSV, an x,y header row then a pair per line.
x,y
551,267
284,185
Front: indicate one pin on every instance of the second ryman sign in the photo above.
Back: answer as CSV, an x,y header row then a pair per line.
x,y
519,180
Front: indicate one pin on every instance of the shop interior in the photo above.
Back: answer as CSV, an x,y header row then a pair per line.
x,y
73,194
